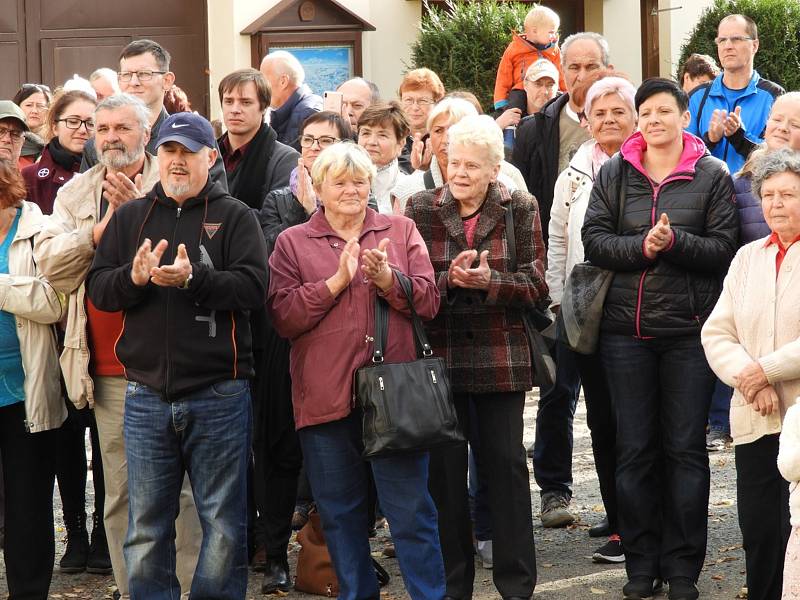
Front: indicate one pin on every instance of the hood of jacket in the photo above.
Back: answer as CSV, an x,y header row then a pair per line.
x,y
694,149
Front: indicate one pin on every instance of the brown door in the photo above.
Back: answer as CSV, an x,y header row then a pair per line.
x,y
650,48
49,40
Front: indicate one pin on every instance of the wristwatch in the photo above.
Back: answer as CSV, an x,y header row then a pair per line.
x,y
185,285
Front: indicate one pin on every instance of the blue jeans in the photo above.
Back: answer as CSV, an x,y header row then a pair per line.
x,y
338,477
552,448
719,414
660,390
207,435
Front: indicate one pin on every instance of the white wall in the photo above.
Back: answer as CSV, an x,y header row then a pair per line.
x,y
622,29
384,50
679,26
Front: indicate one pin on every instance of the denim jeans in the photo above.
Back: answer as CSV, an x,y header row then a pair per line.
x,y
338,477
719,415
661,389
207,435
552,448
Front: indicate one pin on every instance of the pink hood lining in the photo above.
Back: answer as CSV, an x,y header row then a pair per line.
x,y
694,149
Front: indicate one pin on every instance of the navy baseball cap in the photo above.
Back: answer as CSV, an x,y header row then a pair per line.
x,y
187,128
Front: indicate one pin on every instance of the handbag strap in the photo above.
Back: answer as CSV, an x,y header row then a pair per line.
x,y
382,321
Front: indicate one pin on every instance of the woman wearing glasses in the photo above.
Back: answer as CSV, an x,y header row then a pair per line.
x,y
419,91
34,100
273,422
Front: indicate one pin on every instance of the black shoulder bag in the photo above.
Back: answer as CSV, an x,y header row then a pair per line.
x,y
407,407
536,321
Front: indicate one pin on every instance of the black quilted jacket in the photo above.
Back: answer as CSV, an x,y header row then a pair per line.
x,y
673,294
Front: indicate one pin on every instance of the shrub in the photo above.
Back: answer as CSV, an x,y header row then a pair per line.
x,y
463,43
778,57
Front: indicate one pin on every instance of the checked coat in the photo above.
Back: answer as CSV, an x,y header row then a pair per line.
x,y
480,333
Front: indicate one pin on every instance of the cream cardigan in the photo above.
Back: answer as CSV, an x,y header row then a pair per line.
x,y
757,318
789,459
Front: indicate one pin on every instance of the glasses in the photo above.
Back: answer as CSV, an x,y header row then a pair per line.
x,y
418,101
306,141
75,123
15,134
734,39
126,76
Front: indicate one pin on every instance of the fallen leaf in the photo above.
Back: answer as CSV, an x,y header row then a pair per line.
x,y
717,577
595,590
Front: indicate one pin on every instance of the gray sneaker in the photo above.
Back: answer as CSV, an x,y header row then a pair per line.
x,y
717,440
484,551
555,510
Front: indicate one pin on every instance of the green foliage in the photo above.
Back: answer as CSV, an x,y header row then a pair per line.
x,y
464,42
778,57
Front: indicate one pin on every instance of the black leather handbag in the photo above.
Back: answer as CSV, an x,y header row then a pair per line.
x,y
407,407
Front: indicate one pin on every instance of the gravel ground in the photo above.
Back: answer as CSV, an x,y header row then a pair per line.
x,y
565,569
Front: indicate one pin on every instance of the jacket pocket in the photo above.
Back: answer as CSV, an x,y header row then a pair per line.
x,y
741,415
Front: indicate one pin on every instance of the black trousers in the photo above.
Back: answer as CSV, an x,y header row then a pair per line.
x,y
763,500
603,428
71,462
29,469
501,459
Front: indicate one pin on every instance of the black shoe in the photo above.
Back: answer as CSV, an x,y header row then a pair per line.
x,y
77,553
638,588
276,577
98,562
601,529
611,552
682,588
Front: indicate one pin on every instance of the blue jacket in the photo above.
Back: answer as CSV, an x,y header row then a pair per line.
x,y
756,102
288,118
752,225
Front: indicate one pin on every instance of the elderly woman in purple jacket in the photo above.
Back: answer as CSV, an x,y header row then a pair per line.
x,y
324,277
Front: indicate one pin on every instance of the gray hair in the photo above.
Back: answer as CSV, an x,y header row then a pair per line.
x,y
287,64
344,158
455,109
598,39
105,73
126,100
479,132
374,91
768,164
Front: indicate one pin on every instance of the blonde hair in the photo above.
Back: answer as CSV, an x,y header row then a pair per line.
x,y
455,109
480,132
539,14
344,158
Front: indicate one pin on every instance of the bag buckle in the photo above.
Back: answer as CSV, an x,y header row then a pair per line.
x,y
377,356
427,351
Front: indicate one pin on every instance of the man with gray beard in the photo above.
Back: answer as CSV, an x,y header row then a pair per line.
x,y
93,375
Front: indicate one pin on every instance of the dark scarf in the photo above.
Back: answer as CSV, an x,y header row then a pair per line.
x,y
246,181
63,157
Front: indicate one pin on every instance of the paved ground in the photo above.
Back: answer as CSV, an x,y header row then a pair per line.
x,y
563,556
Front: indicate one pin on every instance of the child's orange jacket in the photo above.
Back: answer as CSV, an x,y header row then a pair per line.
x,y
519,55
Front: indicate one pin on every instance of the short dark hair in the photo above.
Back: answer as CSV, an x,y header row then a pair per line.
x,y
658,85
341,125
139,47
29,89
698,65
749,25
388,114
239,77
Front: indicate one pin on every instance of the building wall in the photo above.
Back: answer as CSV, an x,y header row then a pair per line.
x,y
676,29
385,51
621,27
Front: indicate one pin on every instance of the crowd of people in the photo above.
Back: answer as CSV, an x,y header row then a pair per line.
x,y
209,289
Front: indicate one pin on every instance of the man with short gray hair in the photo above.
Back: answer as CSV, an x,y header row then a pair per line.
x,y
292,100
104,83
64,251
357,95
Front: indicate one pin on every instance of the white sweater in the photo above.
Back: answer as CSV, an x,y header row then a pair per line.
x,y
789,459
756,318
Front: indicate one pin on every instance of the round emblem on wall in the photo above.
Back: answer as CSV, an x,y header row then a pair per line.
x,y
43,173
307,11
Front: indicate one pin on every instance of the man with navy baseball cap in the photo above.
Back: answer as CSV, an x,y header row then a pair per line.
x,y
187,351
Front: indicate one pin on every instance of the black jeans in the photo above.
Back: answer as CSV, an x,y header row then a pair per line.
x,y
71,462
501,457
661,390
603,428
29,468
552,448
763,500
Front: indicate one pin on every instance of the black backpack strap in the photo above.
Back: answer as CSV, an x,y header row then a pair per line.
x,y
700,110
427,178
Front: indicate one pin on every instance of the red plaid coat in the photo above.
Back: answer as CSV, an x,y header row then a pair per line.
x,y
480,333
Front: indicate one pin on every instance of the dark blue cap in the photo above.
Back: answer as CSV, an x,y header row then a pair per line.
x,y
189,129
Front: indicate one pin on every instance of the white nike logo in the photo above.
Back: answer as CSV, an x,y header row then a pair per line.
x,y
176,126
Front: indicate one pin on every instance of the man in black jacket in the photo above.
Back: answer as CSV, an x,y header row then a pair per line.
x,y
186,349
545,143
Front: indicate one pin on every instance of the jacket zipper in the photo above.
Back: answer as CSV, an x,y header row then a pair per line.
x,y
169,302
640,292
727,143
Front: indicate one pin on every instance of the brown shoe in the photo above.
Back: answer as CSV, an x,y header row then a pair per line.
x,y
389,550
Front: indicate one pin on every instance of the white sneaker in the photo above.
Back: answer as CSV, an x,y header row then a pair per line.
x,y
484,549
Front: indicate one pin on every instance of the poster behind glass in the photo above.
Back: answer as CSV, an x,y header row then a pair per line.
x,y
326,66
